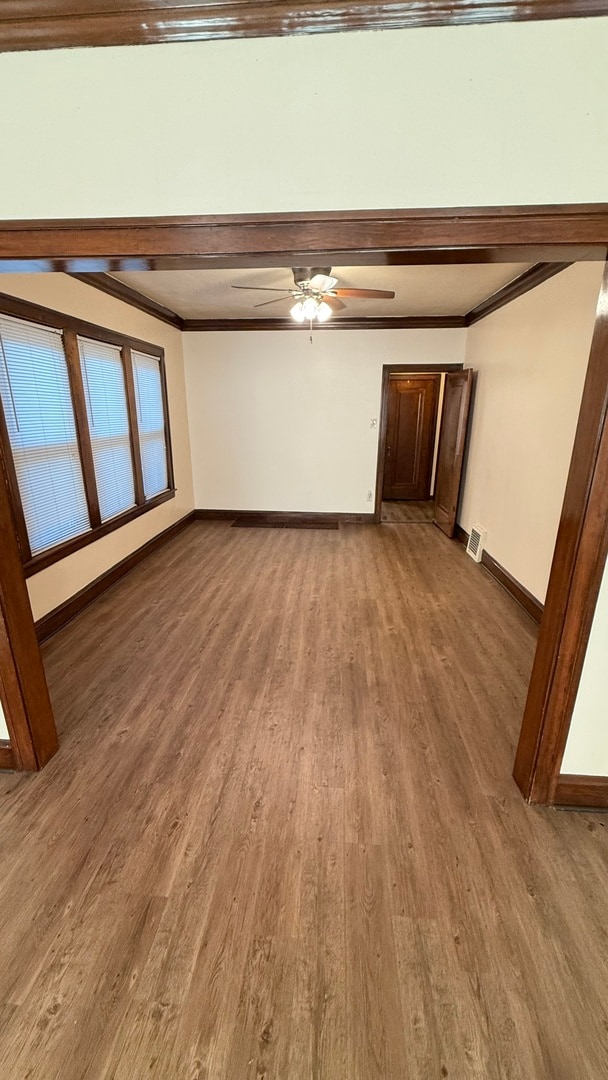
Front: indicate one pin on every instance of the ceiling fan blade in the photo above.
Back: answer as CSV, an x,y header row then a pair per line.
x,y
366,294
323,283
334,303
278,300
259,288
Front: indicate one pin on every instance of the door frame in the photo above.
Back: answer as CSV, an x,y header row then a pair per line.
x,y
387,371
23,688
435,378
566,233
465,409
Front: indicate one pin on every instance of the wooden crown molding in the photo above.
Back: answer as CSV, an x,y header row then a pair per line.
x,y
120,291
536,275
432,322
54,24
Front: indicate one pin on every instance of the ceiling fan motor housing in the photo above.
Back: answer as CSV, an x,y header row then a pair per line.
x,y
303,274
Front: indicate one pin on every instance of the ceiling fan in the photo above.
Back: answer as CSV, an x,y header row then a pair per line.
x,y
316,294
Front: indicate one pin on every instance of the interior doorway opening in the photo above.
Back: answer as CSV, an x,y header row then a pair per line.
x,y
407,511
411,237
424,421
410,450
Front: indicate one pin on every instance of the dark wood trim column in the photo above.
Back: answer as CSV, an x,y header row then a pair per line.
x,y
25,696
576,573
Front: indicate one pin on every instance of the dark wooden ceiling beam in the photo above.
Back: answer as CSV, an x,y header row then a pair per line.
x,y
52,24
557,235
383,237
83,266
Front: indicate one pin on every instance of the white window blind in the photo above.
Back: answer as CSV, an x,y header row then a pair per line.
x,y
35,391
106,397
151,423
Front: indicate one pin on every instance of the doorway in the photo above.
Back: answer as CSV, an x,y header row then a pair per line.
x,y
410,446
421,451
558,234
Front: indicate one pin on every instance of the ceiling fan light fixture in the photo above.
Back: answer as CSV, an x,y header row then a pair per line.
x,y
297,312
323,312
310,307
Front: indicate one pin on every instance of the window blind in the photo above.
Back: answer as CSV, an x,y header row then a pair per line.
x,y
35,392
151,423
106,397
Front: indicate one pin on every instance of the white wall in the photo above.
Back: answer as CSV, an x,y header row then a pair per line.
x,y
587,745
3,727
279,424
499,114
531,357
58,582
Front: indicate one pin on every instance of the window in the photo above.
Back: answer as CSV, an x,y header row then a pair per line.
x,y
151,422
106,400
39,415
85,433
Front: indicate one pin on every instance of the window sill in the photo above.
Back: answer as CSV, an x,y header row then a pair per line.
x,y
61,551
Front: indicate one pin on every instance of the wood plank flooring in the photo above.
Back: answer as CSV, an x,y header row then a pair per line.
x,y
281,841
406,511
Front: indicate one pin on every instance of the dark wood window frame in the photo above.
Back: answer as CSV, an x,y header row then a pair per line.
x,y
71,329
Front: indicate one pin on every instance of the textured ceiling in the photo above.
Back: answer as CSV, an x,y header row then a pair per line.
x,y
420,290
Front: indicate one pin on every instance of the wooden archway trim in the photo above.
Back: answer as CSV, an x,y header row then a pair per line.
x,y
84,23
576,574
477,234
25,697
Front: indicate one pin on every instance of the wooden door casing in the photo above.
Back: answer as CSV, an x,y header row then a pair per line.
x,y
452,443
24,692
410,436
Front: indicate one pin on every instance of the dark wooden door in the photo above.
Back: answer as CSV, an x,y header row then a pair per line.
x,y
410,436
452,442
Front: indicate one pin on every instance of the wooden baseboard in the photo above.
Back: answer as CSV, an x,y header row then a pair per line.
x,y
279,517
57,618
7,760
515,588
585,791
524,598
252,521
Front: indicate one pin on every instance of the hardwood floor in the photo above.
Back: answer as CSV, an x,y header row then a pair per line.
x,y
407,511
280,840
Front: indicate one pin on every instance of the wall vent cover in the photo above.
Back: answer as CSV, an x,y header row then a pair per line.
x,y
476,542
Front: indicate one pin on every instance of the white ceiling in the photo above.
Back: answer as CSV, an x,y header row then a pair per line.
x,y
420,290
